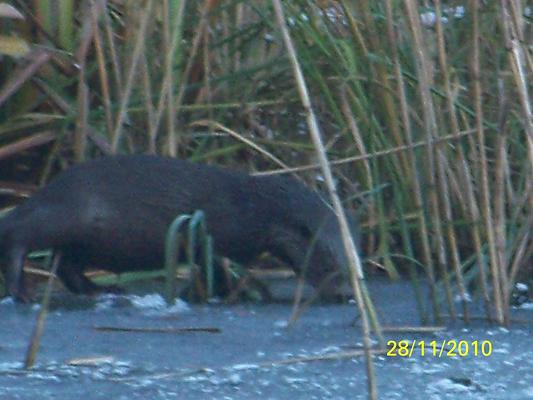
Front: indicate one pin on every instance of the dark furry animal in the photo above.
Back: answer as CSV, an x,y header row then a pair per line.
x,y
113,213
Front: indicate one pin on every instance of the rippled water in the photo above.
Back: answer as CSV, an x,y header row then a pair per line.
x,y
252,357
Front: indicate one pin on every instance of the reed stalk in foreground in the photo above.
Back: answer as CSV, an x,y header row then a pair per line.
x,y
430,131
356,271
486,210
414,180
35,340
469,204
126,95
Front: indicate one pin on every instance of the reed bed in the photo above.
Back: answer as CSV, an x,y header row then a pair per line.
x,y
424,110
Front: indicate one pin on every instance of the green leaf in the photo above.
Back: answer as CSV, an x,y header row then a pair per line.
x,y
13,46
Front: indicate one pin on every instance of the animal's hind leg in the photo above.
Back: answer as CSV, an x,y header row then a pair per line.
x,y
72,276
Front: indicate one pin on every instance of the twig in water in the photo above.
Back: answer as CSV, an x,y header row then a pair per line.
x,y
413,329
33,347
156,330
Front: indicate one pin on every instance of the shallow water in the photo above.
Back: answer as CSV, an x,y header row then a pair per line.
x,y
243,361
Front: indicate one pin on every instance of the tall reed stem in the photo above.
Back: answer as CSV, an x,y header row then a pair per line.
x,y
356,271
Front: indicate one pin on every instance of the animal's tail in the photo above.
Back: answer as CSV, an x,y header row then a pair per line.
x,y
7,218
11,271
3,231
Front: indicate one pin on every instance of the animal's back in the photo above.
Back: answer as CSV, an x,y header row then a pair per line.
x,y
116,210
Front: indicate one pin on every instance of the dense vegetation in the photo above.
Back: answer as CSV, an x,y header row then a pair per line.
x,y
424,108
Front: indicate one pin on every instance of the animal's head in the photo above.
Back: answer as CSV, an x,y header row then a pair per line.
x,y
326,263
305,233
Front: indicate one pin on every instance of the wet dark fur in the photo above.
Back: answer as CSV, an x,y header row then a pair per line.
x,y
113,213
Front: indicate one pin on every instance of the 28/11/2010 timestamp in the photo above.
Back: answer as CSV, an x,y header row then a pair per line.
x,y
439,349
